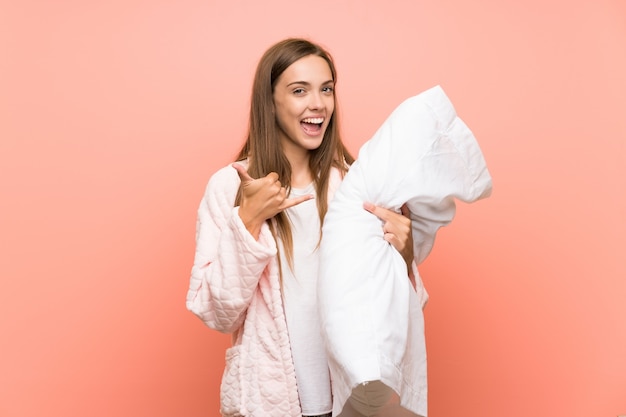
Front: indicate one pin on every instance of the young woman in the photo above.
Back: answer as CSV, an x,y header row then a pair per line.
x,y
259,224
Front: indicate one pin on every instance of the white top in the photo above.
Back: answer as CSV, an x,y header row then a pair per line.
x,y
300,300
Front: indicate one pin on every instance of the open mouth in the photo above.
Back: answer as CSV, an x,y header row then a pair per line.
x,y
312,125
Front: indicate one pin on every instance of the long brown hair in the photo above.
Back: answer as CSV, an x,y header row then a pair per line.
x,y
263,148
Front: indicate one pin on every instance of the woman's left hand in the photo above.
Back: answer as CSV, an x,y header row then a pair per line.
x,y
397,230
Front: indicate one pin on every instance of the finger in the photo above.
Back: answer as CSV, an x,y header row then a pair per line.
x,y
271,180
379,212
391,238
290,202
369,206
273,177
405,211
395,229
243,173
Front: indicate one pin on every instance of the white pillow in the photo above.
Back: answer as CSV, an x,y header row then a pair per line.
x,y
425,156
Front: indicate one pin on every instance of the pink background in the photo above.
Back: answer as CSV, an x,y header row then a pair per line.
x,y
113,115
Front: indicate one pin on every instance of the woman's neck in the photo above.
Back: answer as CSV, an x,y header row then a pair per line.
x,y
300,172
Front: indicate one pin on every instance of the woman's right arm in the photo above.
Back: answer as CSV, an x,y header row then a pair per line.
x,y
228,260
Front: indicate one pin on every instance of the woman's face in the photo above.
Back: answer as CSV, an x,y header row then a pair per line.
x,y
304,103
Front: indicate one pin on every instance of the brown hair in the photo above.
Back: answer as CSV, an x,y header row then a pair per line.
x,y
263,148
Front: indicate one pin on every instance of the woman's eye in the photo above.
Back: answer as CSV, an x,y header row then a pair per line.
x,y
298,91
328,90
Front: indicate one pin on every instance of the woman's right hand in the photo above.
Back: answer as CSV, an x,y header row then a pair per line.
x,y
262,199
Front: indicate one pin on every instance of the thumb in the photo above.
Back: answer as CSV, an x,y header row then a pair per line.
x,y
243,173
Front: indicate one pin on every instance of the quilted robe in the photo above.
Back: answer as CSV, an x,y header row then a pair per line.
x,y
425,156
235,288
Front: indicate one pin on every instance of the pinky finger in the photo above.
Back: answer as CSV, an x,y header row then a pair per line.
x,y
290,202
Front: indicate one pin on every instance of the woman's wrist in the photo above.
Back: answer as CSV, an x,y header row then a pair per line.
x,y
251,224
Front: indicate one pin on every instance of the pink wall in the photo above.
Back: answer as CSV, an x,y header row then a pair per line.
x,y
114,114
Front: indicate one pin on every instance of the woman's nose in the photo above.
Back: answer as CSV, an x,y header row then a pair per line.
x,y
316,102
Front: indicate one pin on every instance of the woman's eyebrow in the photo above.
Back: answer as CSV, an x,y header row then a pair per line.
x,y
306,83
299,82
